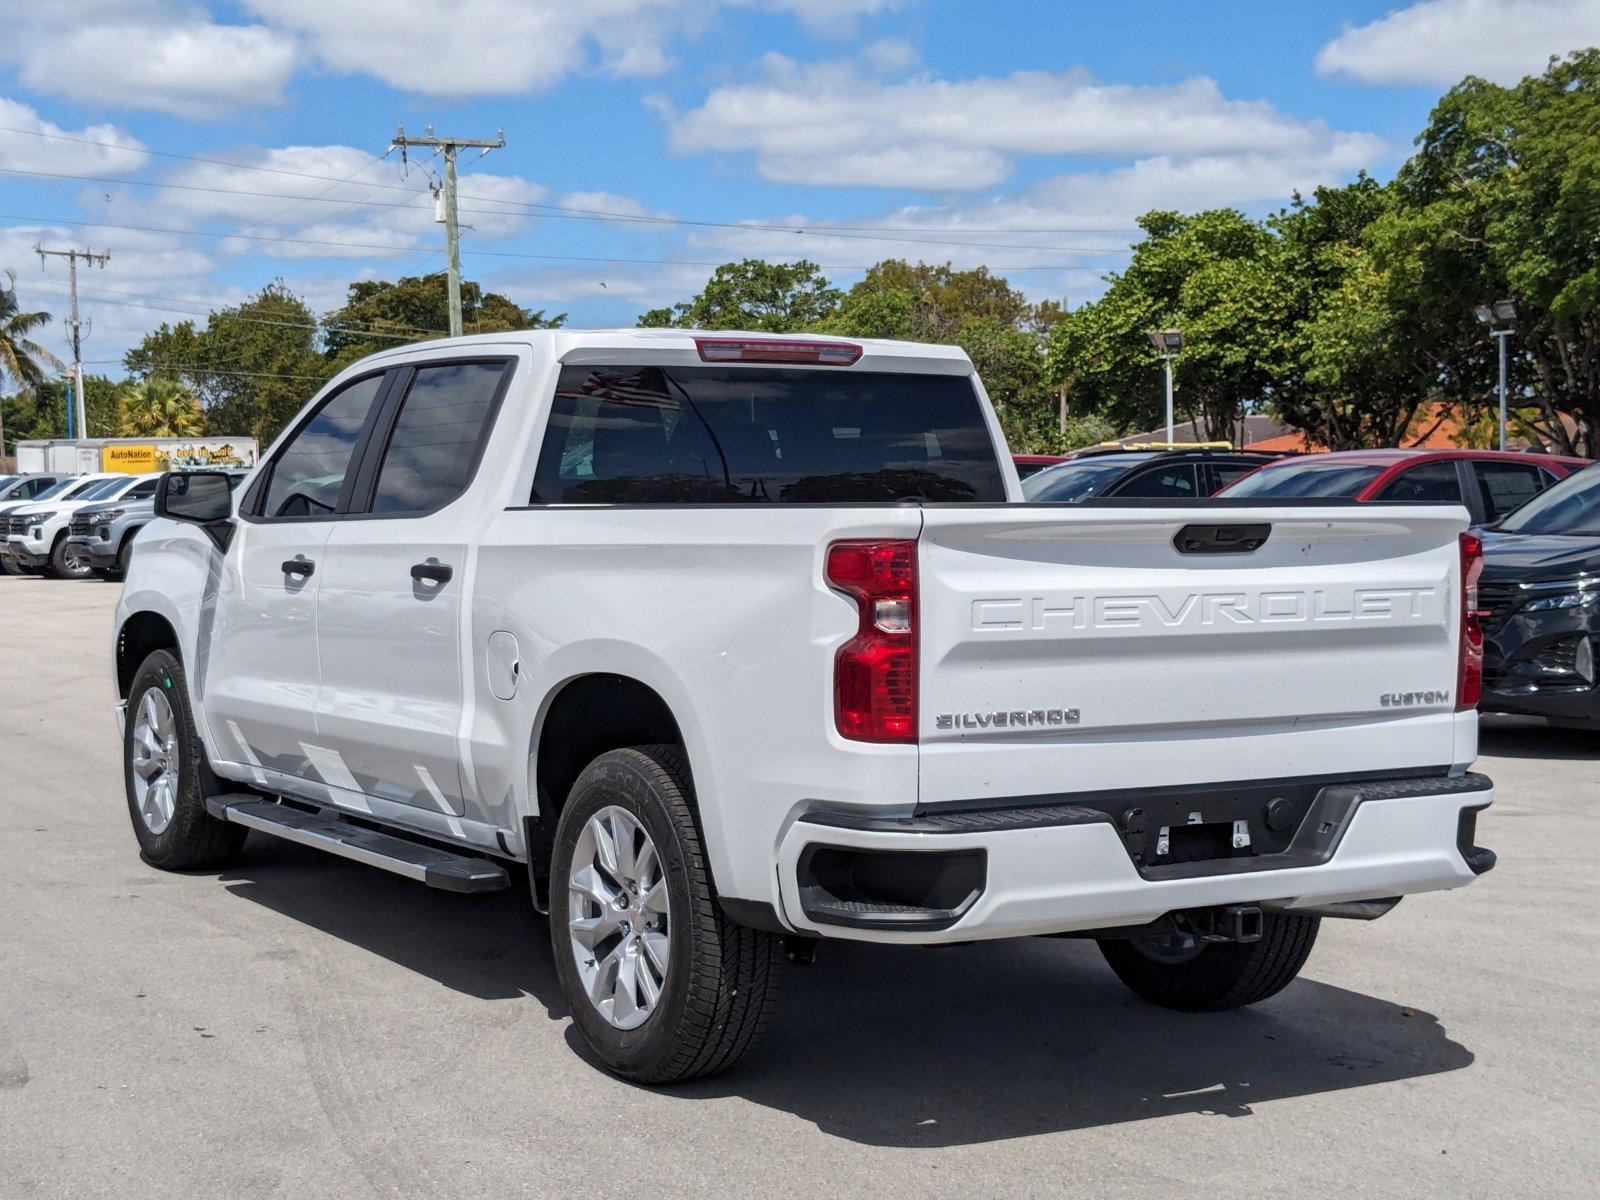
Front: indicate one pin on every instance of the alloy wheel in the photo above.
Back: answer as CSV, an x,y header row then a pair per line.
x,y
619,917
153,754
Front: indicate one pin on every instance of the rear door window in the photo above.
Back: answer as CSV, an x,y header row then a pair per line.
x,y
1506,486
1427,483
695,435
438,437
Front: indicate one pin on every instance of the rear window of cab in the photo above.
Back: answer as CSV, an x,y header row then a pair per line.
x,y
630,434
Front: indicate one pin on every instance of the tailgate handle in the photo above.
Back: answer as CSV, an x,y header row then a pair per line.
x,y
1221,539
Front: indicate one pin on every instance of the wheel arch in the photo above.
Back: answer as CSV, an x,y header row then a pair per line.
x,y
582,718
140,635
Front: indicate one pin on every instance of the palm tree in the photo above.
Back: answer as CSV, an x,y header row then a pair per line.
x,y
159,408
20,356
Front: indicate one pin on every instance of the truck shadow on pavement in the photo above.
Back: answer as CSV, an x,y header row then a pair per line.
x,y
905,1046
1502,736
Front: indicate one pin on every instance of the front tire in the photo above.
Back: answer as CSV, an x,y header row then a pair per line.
x,y
1219,976
166,774
64,561
663,987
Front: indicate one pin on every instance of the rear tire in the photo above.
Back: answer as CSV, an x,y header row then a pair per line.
x,y
166,774
1219,976
719,985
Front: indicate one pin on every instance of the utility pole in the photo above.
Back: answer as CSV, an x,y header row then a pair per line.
x,y
80,426
452,237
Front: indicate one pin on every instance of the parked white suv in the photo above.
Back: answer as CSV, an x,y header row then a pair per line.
x,y
34,536
731,639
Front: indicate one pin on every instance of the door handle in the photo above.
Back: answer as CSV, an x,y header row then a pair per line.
x,y
299,565
433,570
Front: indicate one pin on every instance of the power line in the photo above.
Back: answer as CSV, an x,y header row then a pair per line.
x,y
583,213
363,327
897,235
198,369
274,219
660,262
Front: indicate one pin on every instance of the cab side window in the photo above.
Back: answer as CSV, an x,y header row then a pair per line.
x,y
142,491
438,436
1176,481
307,478
1429,483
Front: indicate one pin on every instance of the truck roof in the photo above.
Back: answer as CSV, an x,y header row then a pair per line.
x,y
574,345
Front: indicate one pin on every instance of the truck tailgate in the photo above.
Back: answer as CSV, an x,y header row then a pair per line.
x,y
1076,649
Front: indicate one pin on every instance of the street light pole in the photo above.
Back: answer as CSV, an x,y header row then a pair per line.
x,y
1500,335
1167,343
1501,318
1167,358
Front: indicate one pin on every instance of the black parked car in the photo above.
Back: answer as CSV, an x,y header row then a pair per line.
x,y
1167,474
1539,602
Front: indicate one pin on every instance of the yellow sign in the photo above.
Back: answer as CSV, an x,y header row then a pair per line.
x,y
141,458
130,460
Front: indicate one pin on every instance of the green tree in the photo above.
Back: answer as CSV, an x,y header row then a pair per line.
x,y
22,359
755,295
1001,330
1354,374
42,412
1502,199
252,366
1215,276
20,355
379,315
159,408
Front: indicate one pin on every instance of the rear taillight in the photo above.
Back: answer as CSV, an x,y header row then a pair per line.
x,y
875,672
1469,672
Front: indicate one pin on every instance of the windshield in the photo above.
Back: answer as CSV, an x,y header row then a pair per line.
x,y
1570,508
630,434
99,490
1311,480
1079,480
59,488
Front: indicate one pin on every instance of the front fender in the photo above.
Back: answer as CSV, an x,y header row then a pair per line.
x,y
177,576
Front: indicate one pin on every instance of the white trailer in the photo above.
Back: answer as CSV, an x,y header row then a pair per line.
x,y
134,456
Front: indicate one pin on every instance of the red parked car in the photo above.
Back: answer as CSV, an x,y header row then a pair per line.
x,y
1489,482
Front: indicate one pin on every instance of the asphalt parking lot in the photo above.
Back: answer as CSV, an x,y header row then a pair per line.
x,y
304,1026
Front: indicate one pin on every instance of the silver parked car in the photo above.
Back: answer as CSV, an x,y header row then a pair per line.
x,y
101,536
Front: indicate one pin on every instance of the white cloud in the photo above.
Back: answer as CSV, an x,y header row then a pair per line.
x,y
484,47
1048,228
829,18
114,152
1438,41
288,196
155,56
150,278
839,123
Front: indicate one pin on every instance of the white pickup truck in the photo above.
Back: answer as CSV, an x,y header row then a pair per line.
x,y
735,642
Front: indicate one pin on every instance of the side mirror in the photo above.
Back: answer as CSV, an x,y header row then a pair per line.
x,y
199,497
203,498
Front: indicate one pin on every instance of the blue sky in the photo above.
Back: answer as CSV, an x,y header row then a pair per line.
x,y
1024,135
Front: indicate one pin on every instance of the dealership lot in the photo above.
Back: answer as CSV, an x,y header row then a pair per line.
x,y
305,1026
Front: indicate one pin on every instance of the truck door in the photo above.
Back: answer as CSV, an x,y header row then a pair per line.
x,y
390,610
260,661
